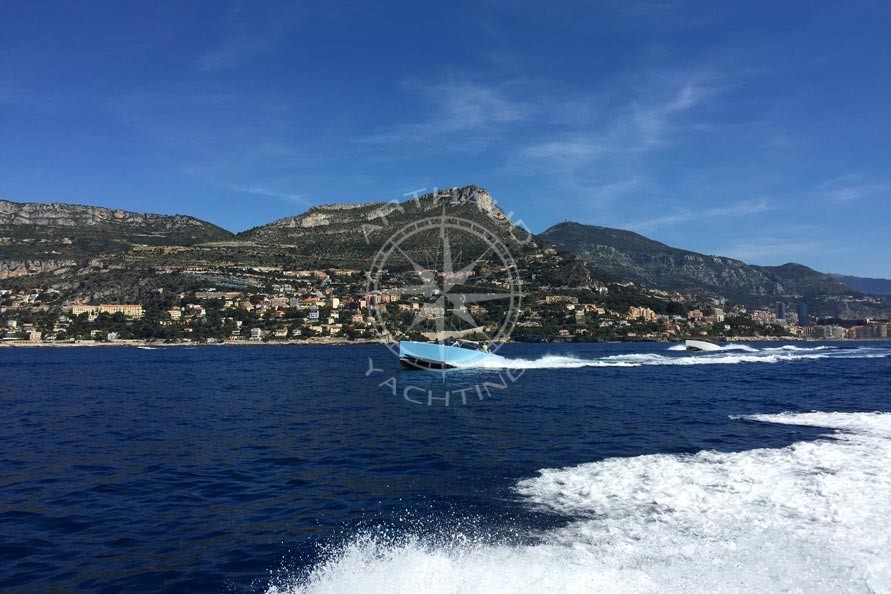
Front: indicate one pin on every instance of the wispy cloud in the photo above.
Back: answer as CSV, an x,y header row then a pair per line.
x,y
541,126
652,123
248,33
570,150
609,192
292,198
224,131
850,188
779,250
743,208
457,107
632,128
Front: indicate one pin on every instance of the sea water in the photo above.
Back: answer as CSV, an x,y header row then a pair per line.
x,y
597,468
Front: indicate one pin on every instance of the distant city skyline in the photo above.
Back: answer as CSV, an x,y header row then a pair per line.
x,y
756,131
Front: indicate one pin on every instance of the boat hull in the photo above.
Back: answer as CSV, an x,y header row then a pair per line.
x,y
701,345
422,355
417,363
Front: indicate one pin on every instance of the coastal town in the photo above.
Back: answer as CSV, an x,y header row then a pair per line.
x,y
335,305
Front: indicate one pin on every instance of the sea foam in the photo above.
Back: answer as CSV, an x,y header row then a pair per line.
x,y
811,517
730,355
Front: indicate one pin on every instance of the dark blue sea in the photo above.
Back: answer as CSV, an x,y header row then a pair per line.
x,y
581,468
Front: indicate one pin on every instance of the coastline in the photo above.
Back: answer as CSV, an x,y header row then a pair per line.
x,y
143,343
343,342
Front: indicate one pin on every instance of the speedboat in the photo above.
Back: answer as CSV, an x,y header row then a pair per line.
x,y
446,355
701,345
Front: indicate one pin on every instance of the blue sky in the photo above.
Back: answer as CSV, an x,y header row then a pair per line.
x,y
758,130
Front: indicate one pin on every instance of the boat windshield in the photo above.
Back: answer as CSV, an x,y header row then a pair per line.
x,y
466,344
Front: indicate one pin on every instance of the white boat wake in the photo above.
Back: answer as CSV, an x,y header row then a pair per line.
x,y
812,517
727,347
730,355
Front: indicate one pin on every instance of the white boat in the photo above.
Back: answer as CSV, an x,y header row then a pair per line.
x,y
449,355
701,345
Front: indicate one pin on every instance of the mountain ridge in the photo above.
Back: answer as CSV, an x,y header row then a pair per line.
x,y
342,236
57,238
868,285
76,230
70,214
373,213
652,263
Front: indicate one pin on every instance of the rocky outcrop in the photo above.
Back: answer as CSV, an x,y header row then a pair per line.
x,y
72,220
18,268
348,218
73,215
331,214
468,195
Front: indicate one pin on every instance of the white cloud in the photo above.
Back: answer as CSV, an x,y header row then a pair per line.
x,y
743,208
632,128
262,191
851,187
653,122
246,34
536,125
568,150
458,107
779,250
609,192
605,152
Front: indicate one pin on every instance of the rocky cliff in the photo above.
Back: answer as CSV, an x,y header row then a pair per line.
x,y
349,218
48,230
355,232
73,215
17,268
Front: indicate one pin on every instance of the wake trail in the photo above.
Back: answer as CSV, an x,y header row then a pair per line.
x,y
728,355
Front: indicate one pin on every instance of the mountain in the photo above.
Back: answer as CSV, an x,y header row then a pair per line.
x,y
359,230
633,256
88,252
352,234
870,286
54,231
102,252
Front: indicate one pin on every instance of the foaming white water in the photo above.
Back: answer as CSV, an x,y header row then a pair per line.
x,y
726,347
730,355
792,347
739,347
368,566
551,362
812,517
